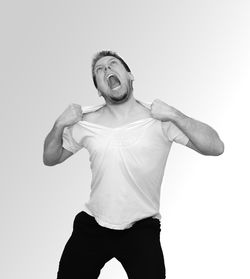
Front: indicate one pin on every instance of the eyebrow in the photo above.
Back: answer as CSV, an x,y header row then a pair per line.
x,y
102,64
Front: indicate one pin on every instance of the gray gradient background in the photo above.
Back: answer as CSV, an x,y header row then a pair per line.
x,y
194,55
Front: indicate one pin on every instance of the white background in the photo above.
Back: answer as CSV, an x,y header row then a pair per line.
x,y
193,55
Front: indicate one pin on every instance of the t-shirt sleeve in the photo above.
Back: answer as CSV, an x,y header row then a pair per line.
x,y
175,134
69,141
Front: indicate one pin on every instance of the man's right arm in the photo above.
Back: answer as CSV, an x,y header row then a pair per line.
x,y
53,152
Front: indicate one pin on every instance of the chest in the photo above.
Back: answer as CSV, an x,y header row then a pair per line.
x,y
142,134
112,122
105,119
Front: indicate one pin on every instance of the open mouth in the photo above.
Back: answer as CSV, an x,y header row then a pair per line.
x,y
113,81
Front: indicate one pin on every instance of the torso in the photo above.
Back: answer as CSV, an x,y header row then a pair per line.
x,y
101,117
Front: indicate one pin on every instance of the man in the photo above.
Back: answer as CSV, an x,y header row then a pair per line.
x,y
128,142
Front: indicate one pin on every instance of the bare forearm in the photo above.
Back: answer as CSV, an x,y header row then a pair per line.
x,y
53,152
204,137
53,145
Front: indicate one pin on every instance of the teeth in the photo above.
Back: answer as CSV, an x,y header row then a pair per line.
x,y
110,75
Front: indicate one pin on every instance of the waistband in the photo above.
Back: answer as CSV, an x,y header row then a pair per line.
x,y
84,220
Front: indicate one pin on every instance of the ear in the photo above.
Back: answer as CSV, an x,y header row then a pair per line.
x,y
131,76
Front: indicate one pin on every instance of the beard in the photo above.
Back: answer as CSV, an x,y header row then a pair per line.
x,y
117,97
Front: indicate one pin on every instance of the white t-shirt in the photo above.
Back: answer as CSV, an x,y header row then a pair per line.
x,y
127,165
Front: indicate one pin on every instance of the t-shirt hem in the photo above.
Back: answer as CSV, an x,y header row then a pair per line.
x,y
69,148
113,226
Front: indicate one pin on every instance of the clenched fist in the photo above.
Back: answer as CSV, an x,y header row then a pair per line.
x,y
71,115
162,111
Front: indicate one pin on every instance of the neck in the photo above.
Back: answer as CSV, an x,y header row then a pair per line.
x,y
123,110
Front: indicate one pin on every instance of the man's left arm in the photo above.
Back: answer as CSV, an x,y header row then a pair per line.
x,y
202,138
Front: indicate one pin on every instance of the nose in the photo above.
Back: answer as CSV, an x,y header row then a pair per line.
x,y
107,67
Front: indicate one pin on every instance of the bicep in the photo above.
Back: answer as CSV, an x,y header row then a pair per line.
x,y
165,128
191,145
173,133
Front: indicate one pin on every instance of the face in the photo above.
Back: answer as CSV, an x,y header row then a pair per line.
x,y
114,83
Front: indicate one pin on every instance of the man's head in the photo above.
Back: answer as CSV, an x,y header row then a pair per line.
x,y
112,76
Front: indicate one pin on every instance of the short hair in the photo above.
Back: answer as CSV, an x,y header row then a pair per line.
x,y
104,53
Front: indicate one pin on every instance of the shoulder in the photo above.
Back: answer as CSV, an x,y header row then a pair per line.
x,y
91,116
91,113
143,109
165,127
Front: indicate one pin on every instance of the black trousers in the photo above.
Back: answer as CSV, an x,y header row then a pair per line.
x,y
90,246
